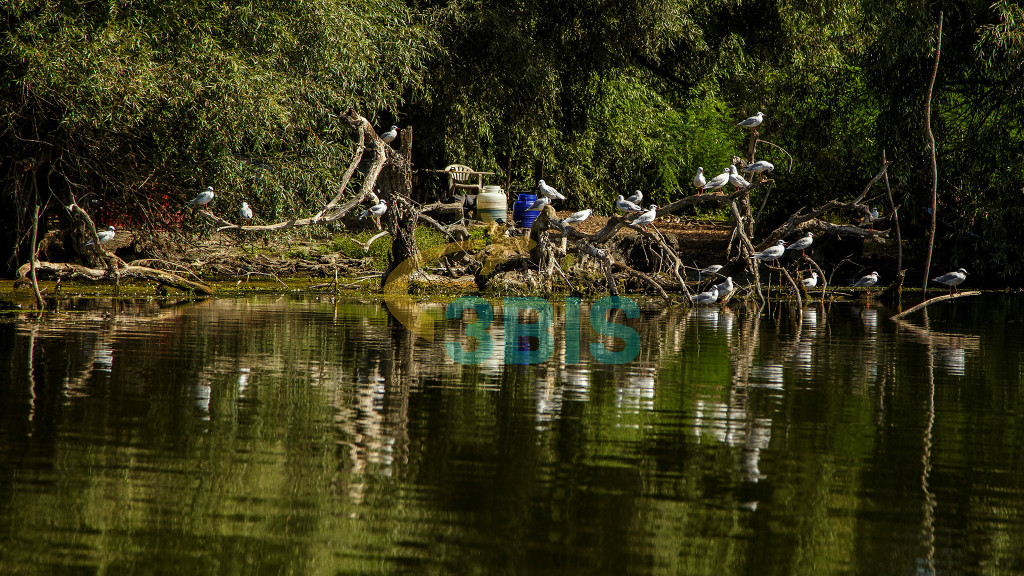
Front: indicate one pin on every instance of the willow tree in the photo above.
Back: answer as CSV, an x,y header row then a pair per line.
x,y
129,106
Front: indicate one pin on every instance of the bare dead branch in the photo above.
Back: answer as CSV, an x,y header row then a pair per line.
x,y
935,300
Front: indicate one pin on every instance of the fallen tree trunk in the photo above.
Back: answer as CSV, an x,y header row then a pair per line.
x,y
76,271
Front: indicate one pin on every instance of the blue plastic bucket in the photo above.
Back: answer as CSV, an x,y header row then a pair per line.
x,y
524,218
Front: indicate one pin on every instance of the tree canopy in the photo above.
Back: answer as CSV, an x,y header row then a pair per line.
x,y
126,101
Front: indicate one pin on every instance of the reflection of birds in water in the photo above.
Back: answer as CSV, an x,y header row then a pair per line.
x,y
243,380
811,318
727,321
954,360
708,317
576,382
869,317
771,374
638,393
758,439
201,399
103,358
549,398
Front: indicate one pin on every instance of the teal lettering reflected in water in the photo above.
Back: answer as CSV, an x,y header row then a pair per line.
x,y
476,330
519,336
605,327
572,330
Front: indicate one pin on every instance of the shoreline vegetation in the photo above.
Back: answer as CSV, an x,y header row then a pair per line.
x,y
117,117
619,255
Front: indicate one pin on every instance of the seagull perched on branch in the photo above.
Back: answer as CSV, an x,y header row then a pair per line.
x,y
752,122
699,181
539,204
811,282
636,198
245,213
709,271
759,166
549,191
802,244
389,136
719,181
204,197
708,297
375,211
771,253
647,217
867,281
626,205
725,288
952,279
735,179
105,236
577,217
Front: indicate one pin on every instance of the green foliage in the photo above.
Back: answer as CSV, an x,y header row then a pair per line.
x,y
127,103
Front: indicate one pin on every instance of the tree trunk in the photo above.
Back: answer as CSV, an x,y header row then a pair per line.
x,y
394,186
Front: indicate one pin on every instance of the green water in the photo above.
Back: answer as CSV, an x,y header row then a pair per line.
x,y
282,435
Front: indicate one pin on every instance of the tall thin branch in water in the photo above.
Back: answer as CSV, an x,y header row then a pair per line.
x,y
895,220
935,167
32,261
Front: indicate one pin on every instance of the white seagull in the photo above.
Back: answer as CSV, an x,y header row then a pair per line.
x,y
647,217
549,191
718,181
802,244
539,204
735,179
709,271
811,282
699,180
626,205
104,235
636,198
204,197
771,253
950,279
707,297
753,121
577,217
375,211
389,136
245,212
867,281
759,166
725,288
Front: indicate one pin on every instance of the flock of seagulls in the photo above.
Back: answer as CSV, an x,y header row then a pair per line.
x,y
631,205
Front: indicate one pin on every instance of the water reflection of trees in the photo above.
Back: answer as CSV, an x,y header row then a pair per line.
x,y
725,411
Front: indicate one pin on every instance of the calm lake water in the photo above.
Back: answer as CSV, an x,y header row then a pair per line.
x,y
300,435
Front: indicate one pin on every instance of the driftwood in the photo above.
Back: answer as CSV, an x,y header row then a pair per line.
x,y
935,300
812,221
75,271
